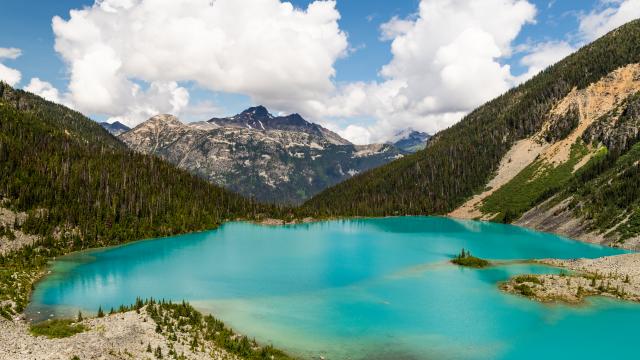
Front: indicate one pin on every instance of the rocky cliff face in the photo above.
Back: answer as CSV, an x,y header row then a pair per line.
x,y
275,159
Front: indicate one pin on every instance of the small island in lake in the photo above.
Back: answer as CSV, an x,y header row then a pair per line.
x,y
466,259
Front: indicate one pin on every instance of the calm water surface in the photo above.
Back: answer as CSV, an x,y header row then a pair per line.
x,y
355,289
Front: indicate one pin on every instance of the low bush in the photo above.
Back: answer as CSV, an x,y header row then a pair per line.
x,y
57,328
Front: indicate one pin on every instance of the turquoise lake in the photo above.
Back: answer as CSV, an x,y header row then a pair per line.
x,y
355,289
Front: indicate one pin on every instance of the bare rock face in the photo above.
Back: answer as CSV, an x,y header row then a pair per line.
x,y
275,159
619,129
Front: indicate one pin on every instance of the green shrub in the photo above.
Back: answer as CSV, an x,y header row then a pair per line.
x,y
57,328
527,278
524,289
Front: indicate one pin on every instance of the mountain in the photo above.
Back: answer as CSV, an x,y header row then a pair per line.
x,y
282,159
411,141
116,128
557,153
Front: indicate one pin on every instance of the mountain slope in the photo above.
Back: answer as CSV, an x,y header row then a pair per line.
x,y
513,152
274,159
56,159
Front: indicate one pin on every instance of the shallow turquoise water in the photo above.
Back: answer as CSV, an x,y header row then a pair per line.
x,y
371,288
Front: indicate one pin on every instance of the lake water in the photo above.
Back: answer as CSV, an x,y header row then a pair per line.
x,y
355,289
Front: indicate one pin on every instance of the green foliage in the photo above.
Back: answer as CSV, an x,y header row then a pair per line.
x,y
527,278
533,184
466,259
607,194
57,328
524,289
7,232
459,161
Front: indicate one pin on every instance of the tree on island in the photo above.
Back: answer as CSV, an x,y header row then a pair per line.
x,y
466,259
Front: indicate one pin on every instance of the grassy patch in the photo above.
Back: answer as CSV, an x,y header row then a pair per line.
x,y
524,289
57,328
466,259
527,279
531,186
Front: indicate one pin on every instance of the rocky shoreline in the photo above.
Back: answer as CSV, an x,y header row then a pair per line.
x,y
126,335
278,222
615,276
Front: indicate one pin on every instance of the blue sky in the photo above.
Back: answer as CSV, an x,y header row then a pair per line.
x,y
358,66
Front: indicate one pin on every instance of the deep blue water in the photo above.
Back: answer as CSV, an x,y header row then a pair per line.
x,y
370,288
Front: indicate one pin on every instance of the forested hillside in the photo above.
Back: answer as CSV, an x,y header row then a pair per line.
x,y
460,161
81,187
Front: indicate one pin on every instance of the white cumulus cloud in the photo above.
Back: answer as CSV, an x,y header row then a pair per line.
x,y
44,89
126,57
10,53
446,61
613,14
543,55
9,75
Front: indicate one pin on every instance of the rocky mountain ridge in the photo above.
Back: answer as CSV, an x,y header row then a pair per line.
x,y
282,159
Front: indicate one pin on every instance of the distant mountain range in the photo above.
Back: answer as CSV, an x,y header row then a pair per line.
x,y
411,141
281,159
115,128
